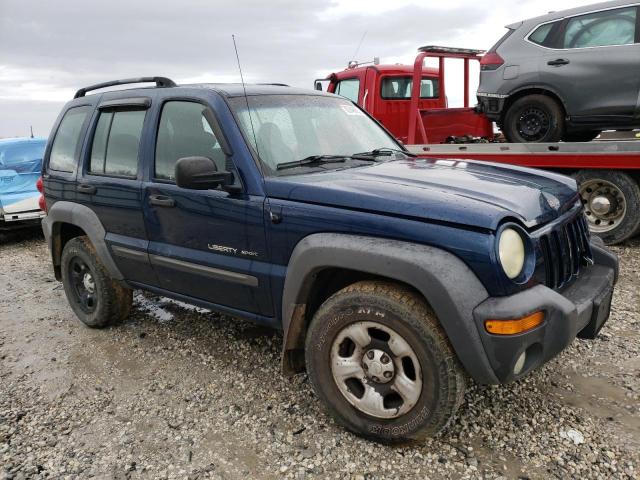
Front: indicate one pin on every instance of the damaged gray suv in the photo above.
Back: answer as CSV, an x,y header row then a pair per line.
x,y
566,75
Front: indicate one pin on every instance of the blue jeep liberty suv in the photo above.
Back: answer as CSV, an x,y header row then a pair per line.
x,y
393,278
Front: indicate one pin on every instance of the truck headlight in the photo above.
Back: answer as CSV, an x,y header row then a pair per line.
x,y
511,252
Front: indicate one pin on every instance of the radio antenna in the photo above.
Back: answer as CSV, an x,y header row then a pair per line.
x,y
246,98
274,217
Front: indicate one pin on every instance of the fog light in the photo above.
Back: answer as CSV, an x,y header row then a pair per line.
x,y
512,327
517,368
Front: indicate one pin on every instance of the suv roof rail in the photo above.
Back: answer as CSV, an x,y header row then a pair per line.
x,y
275,84
159,81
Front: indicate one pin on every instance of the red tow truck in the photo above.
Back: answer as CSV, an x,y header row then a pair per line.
x,y
411,102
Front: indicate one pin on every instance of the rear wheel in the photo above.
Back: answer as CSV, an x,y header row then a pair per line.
x,y
534,119
612,203
581,136
381,363
96,299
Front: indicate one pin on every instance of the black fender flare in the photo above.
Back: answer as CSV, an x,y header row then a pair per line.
x,y
445,281
82,217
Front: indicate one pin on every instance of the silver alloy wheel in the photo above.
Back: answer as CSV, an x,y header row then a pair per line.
x,y
604,203
376,370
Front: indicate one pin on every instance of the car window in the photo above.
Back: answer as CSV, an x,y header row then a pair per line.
x,y
542,34
116,143
287,128
185,131
399,88
611,27
349,88
65,144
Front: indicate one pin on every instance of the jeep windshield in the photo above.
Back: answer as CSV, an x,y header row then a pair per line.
x,y
302,133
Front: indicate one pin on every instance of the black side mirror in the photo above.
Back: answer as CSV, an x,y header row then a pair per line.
x,y
200,173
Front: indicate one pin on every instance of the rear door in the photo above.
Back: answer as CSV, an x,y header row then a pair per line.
x,y
110,182
594,64
205,244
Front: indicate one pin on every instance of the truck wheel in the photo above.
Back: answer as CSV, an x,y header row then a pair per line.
x,y
612,203
534,118
96,299
381,363
580,136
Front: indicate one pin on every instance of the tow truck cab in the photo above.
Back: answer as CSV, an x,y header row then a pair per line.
x,y
385,91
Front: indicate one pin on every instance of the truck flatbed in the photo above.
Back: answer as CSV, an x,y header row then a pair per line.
x,y
603,154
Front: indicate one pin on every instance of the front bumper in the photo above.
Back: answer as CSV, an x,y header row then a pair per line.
x,y
581,309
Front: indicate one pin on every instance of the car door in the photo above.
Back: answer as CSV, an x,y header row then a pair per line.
x,y
110,182
207,245
593,65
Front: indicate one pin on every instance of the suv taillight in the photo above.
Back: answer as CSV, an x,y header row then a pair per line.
x,y
41,201
491,61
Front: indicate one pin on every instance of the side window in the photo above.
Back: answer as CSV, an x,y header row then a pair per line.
x,y
65,144
349,89
399,88
542,35
611,27
116,143
185,131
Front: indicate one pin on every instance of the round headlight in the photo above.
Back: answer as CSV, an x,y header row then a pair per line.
x,y
511,252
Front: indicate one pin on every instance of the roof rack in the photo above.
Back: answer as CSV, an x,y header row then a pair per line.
x,y
159,81
455,51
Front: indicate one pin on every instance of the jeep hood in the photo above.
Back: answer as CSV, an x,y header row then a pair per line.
x,y
476,194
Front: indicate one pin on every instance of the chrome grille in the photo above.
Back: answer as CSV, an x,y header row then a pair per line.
x,y
565,251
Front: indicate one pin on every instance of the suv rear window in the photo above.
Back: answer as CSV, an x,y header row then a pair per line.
x,y
116,143
65,144
501,41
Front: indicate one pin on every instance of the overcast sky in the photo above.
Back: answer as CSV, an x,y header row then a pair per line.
x,y
48,49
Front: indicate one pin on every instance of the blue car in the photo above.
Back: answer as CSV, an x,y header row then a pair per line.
x,y
393,278
20,164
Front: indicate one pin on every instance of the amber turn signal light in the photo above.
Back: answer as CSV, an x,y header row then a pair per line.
x,y
512,327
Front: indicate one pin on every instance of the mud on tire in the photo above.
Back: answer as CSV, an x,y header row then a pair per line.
x,y
384,310
96,299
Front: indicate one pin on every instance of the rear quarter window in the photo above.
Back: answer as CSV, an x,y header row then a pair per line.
x,y
64,150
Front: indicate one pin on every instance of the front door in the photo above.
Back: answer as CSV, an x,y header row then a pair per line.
x,y
595,68
205,244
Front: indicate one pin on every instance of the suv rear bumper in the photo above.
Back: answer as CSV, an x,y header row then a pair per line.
x,y
581,309
491,105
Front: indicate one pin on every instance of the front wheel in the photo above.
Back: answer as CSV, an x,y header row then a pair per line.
x,y
611,201
534,119
381,363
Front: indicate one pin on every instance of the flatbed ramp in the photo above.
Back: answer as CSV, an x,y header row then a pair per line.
x,y
605,154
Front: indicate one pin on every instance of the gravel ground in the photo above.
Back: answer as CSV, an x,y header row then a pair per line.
x,y
178,392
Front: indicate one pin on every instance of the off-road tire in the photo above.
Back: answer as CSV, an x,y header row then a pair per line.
x,y
537,102
407,313
630,188
113,302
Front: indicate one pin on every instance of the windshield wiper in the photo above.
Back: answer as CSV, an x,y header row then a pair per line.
x,y
383,152
313,160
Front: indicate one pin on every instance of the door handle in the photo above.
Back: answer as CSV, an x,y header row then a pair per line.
x,y
558,62
88,189
162,201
